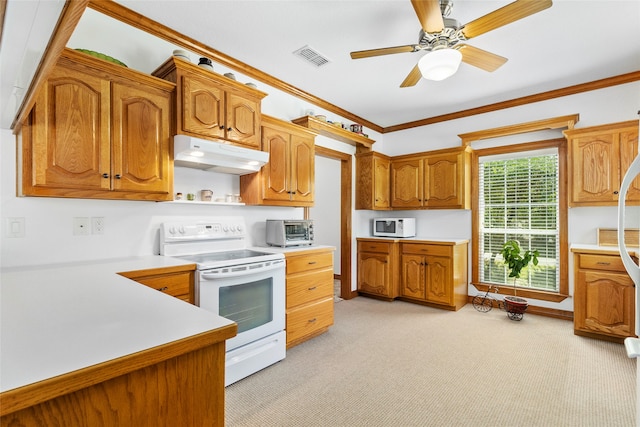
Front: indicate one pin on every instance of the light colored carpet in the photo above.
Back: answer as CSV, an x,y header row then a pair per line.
x,y
401,364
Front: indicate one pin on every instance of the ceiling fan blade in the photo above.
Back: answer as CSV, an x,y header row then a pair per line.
x,y
481,58
429,14
382,51
413,78
505,15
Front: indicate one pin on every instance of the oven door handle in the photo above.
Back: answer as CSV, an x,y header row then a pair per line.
x,y
221,273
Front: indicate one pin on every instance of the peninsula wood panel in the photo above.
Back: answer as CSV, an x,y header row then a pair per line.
x,y
177,282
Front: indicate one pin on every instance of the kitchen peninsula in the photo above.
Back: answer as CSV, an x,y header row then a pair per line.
x,y
81,345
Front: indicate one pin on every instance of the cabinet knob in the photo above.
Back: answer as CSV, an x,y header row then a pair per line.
x,y
615,192
229,129
221,126
105,175
118,176
163,288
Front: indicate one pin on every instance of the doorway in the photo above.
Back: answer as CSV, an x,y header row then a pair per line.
x,y
345,217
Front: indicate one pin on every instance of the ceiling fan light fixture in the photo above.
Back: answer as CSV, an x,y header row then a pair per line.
x,y
439,64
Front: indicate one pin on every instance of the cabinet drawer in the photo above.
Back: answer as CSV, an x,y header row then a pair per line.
x,y
601,262
307,287
381,247
309,319
422,249
177,285
299,264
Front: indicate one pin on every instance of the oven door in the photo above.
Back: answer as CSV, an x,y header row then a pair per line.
x,y
252,295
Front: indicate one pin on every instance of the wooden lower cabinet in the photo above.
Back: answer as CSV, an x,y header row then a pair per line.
x,y
309,294
604,305
425,272
378,263
177,384
175,281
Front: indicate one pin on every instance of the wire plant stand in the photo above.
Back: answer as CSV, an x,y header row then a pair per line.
x,y
515,307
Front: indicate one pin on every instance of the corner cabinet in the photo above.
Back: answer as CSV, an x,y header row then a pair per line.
x,y
378,268
309,294
372,181
212,106
599,156
175,281
437,180
604,304
98,130
289,176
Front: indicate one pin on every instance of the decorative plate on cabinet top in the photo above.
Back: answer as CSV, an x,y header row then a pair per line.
x,y
102,56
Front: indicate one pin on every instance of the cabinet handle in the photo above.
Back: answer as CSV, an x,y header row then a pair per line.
x,y
118,176
312,262
163,288
603,263
105,175
312,320
312,288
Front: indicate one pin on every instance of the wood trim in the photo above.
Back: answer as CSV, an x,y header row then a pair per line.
x,y
33,394
561,144
69,18
346,183
121,13
516,102
552,123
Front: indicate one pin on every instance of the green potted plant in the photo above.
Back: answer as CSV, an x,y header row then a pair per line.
x,y
516,260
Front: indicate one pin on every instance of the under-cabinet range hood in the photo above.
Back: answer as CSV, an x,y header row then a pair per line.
x,y
217,157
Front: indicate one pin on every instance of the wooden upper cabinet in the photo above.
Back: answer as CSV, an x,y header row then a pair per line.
x,y
212,106
98,130
440,179
599,156
373,175
288,178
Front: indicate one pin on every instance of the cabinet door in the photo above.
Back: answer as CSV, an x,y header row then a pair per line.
x,y
243,120
406,183
381,189
604,303
628,152
596,174
202,107
141,133
442,181
413,276
302,168
439,288
374,273
70,143
276,173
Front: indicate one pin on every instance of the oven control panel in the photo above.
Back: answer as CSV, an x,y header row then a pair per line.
x,y
211,229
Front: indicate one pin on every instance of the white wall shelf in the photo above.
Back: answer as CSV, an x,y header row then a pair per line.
x,y
200,202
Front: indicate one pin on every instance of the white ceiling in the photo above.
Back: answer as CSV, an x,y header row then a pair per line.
x,y
573,42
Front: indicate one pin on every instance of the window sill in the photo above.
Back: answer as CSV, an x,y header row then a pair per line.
x,y
525,293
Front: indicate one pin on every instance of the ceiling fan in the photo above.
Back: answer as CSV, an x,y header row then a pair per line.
x,y
443,38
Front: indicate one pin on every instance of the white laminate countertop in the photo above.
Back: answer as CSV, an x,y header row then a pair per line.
x,y
56,319
426,239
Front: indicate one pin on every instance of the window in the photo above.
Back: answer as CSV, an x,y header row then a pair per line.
x,y
519,198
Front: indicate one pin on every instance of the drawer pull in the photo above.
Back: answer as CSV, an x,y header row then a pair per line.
x,y
603,263
312,288
164,288
312,262
312,320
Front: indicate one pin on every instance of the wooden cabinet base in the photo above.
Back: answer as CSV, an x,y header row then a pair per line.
x,y
178,384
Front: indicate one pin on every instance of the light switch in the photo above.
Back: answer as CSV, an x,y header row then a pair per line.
x,y
15,227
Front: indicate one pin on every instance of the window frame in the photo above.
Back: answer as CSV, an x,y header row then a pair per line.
x,y
563,290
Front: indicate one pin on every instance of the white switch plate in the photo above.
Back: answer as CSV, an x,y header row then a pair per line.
x,y
15,227
97,225
81,226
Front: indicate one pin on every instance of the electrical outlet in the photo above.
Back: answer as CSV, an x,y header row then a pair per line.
x,y
81,226
97,225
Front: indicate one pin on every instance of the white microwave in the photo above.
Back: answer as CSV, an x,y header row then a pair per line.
x,y
394,227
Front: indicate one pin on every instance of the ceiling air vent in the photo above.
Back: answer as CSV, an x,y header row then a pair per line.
x,y
312,56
